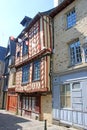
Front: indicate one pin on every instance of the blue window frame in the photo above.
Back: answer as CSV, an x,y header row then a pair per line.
x,y
75,53
36,70
25,73
25,48
71,18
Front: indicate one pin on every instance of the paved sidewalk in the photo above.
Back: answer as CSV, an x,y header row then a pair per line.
x,y
9,121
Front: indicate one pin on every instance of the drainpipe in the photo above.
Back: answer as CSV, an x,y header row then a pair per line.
x,y
51,58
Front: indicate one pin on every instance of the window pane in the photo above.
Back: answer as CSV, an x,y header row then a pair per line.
x,y
25,73
24,102
30,103
76,86
71,18
33,103
65,96
36,70
62,101
27,103
67,89
75,52
68,101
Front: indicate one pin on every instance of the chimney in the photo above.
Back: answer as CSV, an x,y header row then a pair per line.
x,y
12,38
57,2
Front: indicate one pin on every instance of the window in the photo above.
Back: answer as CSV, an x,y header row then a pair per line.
x,y
71,18
25,48
18,54
76,86
75,53
30,103
85,52
65,97
25,73
27,102
24,102
36,70
33,103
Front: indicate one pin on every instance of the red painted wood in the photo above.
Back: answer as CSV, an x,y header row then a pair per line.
x,y
12,103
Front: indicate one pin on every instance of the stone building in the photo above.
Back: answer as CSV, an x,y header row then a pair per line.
x,y
70,63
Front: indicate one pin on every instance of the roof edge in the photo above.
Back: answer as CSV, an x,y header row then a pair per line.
x,y
60,7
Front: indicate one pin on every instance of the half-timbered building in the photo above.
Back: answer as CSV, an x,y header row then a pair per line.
x,y
32,62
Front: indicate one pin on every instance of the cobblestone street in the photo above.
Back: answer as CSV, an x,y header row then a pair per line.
x,y
9,121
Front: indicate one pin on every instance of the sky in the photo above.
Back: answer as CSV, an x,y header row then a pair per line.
x,y
13,11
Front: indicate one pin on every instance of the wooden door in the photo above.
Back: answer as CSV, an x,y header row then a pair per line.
x,y
12,103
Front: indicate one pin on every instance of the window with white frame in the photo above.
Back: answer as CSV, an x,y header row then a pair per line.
x,y
65,96
85,52
71,18
36,70
75,53
25,73
76,86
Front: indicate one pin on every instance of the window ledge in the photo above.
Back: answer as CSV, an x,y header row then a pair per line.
x,y
75,65
66,109
34,111
27,110
24,83
23,55
36,80
70,27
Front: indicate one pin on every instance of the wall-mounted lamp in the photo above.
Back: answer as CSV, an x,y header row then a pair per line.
x,y
3,76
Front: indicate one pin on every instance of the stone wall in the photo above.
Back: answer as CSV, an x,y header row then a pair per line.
x,y
46,108
63,36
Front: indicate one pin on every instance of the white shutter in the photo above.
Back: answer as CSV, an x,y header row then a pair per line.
x,y
84,95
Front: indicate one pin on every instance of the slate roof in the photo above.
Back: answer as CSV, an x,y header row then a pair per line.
x,y
11,47
2,53
31,21
48,11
